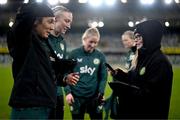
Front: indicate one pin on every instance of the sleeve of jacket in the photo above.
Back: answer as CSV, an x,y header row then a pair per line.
x,y
19,36
102,75
67,89
157,79
11,42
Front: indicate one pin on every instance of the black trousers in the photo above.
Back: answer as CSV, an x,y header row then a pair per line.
x,y
89,106
58,111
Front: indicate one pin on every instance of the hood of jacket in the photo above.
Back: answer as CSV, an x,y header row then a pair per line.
x,y
151,32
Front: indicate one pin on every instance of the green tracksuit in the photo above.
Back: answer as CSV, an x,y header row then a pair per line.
x,y
93,77
93,73
59,47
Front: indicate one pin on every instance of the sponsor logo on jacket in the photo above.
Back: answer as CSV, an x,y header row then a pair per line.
x,y
60,56
79,59
87,69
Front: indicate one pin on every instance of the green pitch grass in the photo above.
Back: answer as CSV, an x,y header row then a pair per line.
x,y
6,83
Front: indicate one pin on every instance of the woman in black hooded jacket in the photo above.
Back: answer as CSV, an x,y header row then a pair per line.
x,y
148,90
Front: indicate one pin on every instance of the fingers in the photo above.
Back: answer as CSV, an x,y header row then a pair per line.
x,y
72,81
70,99
72,78
75,76
113,73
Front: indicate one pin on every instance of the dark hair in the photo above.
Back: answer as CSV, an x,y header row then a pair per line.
x,y
39,19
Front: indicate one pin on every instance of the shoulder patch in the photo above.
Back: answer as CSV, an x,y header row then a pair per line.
x,y
142,71
61,46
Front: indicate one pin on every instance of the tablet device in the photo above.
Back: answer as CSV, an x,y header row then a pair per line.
x,y
109,67
64,65
115,85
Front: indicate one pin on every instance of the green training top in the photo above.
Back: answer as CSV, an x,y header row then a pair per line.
x,y
58,45
93,73
129,57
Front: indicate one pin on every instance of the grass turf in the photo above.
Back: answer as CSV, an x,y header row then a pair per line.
x,y
6,83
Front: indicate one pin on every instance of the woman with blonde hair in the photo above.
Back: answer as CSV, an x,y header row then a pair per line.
x,y
87,94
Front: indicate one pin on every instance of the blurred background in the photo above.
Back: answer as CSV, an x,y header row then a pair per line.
x,y
112,18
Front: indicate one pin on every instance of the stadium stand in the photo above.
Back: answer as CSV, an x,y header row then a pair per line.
x,y
111,45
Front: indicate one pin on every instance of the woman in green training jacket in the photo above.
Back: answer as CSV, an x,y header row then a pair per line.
x,y
87,94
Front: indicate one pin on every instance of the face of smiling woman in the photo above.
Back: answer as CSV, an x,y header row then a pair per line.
x,y
44,26
63,22
90,43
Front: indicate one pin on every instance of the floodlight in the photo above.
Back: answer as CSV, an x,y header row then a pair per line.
x,y
94,24
11,23
148,2
3,2
124,1
168,1
95,3
177,1
64,1
167,24
100,24
82,1
110,2
26,1
131,24
52,2
39,1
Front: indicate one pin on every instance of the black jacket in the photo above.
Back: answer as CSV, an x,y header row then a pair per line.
x,y
34,81
152,75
